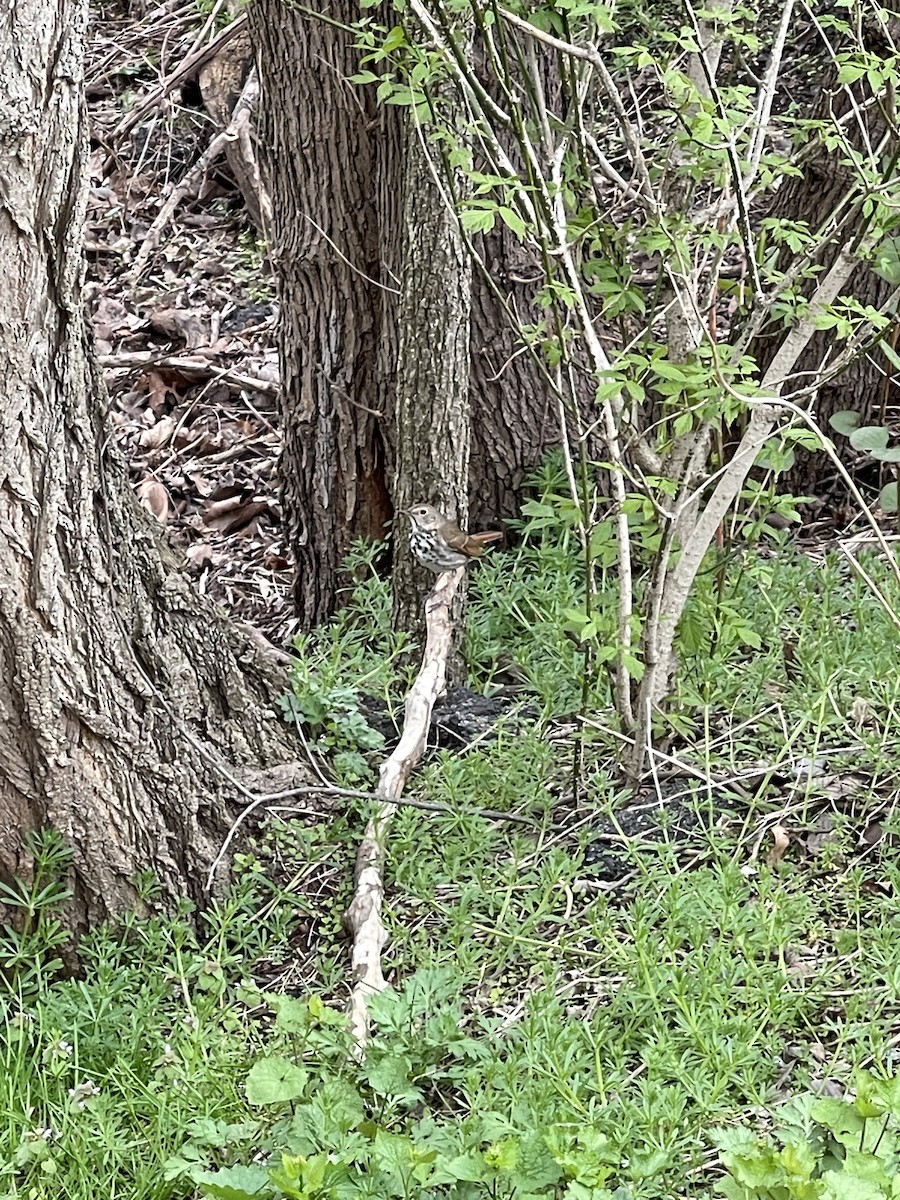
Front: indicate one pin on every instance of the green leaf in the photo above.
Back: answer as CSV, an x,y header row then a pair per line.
x,y
478,220
850,72
683,424
275,1081
887,498
868,1102
292,1015
632,665
576,618
702,127
839,1117
235,1183
887,261
390,1076
801,436
869,437
669,370
838,1186
890,455
511,218
394,40
845,422
890,354
799,1160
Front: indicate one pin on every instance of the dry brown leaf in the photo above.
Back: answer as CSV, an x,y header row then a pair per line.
x,y
158,391
201,554
192,328
162,320
158,435
801,960
872,834
225,491
111,317
240,515
200,483
846,784
218,506
154,497
782,840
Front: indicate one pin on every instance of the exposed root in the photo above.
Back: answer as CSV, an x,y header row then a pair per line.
x,y
363,917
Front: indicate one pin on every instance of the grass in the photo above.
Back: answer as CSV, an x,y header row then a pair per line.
x,y
555,1029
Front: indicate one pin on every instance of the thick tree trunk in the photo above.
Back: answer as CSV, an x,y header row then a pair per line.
x,y
514,422
112,671
319,137
335,165
514,415
868,384
432,397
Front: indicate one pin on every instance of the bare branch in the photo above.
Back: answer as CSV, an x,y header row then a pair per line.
x,y
363,917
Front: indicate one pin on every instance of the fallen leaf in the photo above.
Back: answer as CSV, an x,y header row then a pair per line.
x,y
801,960
111,317
781,840
225,491
154,497
158,391
872,834
823,833
201,484
191,327
201,554
158,435
236,517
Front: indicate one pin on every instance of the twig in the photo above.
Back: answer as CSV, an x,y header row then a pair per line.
x,y
236,132
188,66
143,359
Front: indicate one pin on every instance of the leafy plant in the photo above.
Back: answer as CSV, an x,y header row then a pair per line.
x,y
688,166
822,1147
872,440
357,654
28,947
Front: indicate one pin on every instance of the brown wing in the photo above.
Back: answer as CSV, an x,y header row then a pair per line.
x,y
474,543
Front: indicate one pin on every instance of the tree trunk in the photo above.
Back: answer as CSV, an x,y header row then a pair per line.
x,y
432,398
336,161
112,671
319,145
514,421
867,385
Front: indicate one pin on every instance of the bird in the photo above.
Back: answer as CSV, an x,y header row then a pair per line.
x,y
439,544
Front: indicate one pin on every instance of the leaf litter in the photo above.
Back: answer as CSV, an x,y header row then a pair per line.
x,y
187,348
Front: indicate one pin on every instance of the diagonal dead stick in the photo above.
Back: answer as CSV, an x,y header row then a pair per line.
x,y
363,917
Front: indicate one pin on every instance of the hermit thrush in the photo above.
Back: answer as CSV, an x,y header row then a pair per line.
x,y
439,544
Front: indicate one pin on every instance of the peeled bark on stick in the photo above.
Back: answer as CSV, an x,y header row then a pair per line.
x,y
363,917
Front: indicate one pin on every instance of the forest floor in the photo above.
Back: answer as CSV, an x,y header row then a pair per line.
x,y
186,332
689,991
